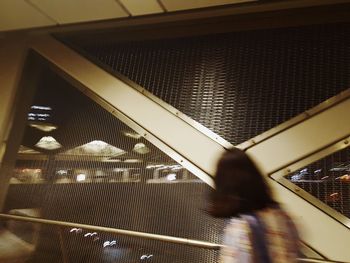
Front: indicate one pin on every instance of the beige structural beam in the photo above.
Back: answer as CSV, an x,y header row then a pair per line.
x,y
12,56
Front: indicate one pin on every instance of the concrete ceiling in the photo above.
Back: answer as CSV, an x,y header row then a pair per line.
x,y
26,14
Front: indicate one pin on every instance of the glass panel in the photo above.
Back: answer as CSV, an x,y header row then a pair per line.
x,y
328,180
79,163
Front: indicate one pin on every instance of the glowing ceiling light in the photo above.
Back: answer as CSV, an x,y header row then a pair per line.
x,y
37,107
43,127
171,177
154,166
96,148
111,160
48,143
132,161
133,135
109,243
143,257
141,148
62,172
90,234
81,177
76,230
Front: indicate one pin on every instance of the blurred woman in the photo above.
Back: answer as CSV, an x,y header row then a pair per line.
x,y
258,230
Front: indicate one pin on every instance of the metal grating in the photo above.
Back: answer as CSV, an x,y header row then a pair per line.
x,y
119,180
236,84
328,179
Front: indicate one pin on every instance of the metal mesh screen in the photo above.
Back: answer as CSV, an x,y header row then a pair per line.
x,y
79,163
236,84
328,179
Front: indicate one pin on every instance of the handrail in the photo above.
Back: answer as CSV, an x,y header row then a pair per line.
x,y
170,239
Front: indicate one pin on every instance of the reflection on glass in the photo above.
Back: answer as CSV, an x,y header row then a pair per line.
x,y
48,143
104,177
46,127
327,179
96,148
141,148
25,150
27,175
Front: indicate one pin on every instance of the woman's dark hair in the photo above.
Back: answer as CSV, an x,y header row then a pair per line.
x,y
240,186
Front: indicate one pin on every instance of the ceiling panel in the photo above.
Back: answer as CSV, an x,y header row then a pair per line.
x,y
70,11
144,7
174,5
18,14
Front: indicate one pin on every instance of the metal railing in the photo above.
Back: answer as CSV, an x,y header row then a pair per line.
x,y
170,239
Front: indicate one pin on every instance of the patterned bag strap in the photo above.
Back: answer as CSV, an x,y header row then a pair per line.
x,y
259,240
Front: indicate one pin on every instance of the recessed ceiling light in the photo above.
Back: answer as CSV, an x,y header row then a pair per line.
x,y
48,143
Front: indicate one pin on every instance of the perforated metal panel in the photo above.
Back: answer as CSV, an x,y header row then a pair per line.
x,y
328,180
236,84
104,174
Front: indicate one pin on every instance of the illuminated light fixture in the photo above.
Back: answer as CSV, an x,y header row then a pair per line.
x,y
176,167
141,148
344,178
117,170
145,257
96,148
37,107
133,135
48,143
111,160
132,161
81,177
154,166
76,230
341,167
334,197
62,172
171,177
90,234
43,127
109,243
